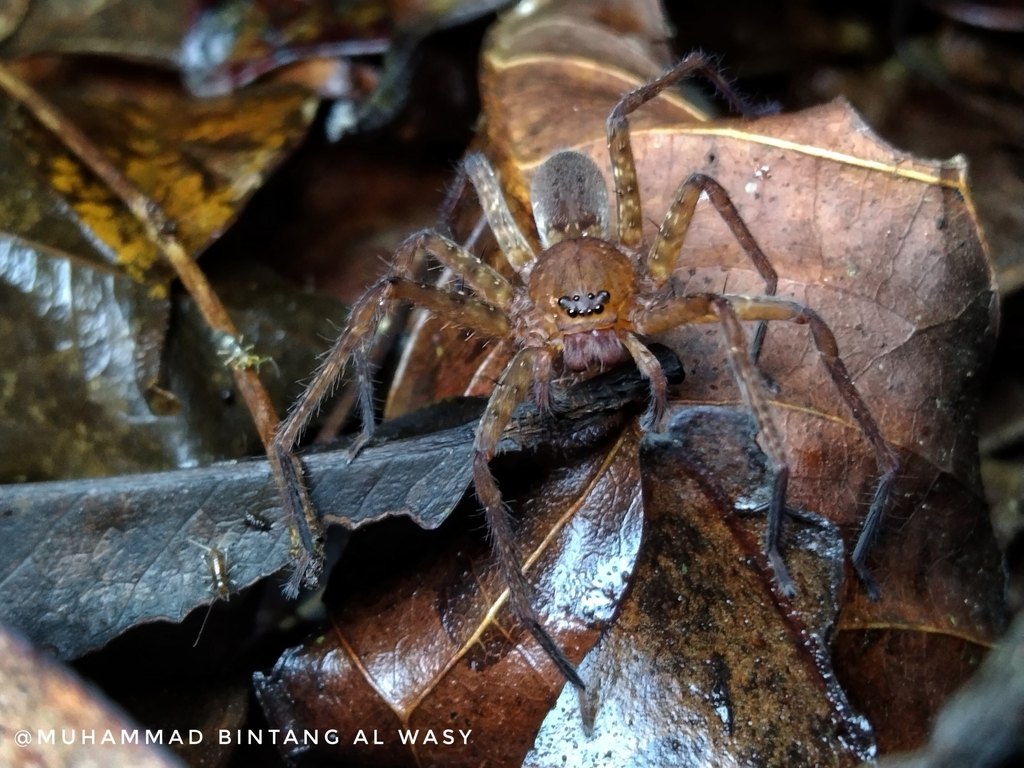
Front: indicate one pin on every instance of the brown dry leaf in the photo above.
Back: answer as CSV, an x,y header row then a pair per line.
x,y
706,664
886,247
199,160
43,707
439,653
147,30
945,91
85,367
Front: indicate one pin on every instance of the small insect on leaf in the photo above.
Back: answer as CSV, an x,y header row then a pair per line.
x,y
217,562
257,520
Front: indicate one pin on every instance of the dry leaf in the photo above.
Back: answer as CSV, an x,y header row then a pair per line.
x,y
265,36
85,289
147,30
885,246
706,664
44,706
441,653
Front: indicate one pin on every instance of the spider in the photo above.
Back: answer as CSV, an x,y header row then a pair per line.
x,y
587,301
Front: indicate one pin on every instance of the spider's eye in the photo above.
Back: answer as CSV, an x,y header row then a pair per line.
x,y
590,305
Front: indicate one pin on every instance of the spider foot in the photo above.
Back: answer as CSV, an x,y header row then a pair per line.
x,y
782,577
588,704
357,446
566,667
765,109
791,513
770,384
870,585
306,573
652,418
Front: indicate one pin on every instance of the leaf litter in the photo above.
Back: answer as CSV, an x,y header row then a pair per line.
x,y
87,559
886,246
952,335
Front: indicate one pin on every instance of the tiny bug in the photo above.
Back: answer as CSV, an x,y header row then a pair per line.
x,y
257,520
217,563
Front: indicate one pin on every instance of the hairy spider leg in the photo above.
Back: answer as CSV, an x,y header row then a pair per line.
x,y
756,398
528,368
728,310
649,366
669,240
452,199
627,191
476,314
510,238
664,253
512,388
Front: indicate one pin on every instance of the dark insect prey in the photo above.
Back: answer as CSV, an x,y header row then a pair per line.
x,y
587,301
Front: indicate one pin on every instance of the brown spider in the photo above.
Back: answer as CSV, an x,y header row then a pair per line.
x,y
584,302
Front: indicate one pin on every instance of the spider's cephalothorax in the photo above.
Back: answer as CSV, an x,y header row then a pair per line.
x,y
585,302
582,291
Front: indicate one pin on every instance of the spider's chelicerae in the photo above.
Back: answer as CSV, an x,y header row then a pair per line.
x,y
586,301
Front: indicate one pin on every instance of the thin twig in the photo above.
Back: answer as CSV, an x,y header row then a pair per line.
x,y
159,228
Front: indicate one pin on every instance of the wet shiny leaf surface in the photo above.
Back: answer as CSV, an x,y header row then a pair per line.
x,y
85,560
882,244
442,647
885,246
706,664
441,650
85,290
